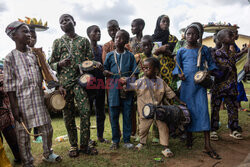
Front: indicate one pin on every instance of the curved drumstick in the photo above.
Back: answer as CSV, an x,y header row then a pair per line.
x,y
40,134
179,67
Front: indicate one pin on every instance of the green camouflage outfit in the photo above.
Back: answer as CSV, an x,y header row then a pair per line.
x,y
76,98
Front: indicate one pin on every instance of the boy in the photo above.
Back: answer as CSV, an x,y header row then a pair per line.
x,y
23,83
67,53
137,27
152,89
120,63
225,86
94,35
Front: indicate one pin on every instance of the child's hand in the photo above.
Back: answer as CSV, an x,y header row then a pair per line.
x,y
182,77
107,73
99,66
182,103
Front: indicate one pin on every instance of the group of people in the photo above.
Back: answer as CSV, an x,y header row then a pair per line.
x,y
145,65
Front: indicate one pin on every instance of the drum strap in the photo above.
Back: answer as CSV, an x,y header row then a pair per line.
x,y
199,57
68,48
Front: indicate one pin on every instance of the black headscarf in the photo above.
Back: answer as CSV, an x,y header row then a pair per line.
x,y
160,35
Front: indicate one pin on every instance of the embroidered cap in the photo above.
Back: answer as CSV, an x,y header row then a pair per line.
x,y
12,28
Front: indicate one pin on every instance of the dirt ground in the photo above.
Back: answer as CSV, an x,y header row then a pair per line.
x,y
232,152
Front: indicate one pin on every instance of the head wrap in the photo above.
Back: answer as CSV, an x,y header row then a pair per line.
x,y
193,26
159,34
13,27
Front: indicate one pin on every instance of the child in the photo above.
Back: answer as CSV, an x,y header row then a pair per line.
x,y
152,89
226,85
195,95
94,35
120,63
23,83
137,27
147,46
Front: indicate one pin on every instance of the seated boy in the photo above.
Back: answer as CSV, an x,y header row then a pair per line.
x,y
119,63
152,89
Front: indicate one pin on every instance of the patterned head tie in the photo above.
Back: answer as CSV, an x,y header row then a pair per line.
x,y
12,28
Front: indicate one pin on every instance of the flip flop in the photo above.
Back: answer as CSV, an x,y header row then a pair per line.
x,y
214,136
167,153
53,158
237,135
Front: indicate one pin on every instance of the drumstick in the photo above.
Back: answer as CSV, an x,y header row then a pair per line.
x,y
40,134
179,67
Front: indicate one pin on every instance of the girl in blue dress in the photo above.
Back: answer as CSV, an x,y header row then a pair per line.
x,y
194,95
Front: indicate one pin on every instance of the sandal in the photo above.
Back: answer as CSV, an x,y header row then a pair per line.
x,y
212,154
167,153
53,158
236,135
92,143
139,146
89,150
73,152
214,136
114,146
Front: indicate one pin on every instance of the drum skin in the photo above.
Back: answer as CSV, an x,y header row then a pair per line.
x,y
55,101
84,81
148,111
203,78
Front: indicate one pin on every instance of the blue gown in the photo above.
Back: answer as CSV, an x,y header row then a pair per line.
x,y
194,95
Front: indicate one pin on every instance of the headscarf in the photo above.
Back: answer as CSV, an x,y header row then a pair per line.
x,y
193,26
160,35
13,27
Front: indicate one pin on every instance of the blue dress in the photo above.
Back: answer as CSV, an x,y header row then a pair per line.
x,y
194,95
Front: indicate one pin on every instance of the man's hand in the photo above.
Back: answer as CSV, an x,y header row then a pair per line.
x,y
182,77
65,62
62,91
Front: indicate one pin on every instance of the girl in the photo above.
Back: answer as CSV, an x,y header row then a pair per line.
x,y
195,95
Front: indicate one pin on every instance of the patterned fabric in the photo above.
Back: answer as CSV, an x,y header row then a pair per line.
x,y
23,139
79,96
232,110
12,27
127,64
81,51
227,84
5,107
167,63
3,158
110,46
22,75
135,45
194,95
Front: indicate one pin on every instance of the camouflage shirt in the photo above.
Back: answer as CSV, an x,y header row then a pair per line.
x,y
80,51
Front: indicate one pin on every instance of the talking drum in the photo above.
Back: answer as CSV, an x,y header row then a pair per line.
x,y
148,111
84,81
203,78
185,115
88,67
55,101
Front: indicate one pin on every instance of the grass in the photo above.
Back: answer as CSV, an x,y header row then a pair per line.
x,y
123,157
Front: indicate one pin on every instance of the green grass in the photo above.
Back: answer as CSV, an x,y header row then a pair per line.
x,y
123,157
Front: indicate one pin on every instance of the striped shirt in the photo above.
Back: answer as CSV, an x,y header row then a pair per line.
x,y
22,75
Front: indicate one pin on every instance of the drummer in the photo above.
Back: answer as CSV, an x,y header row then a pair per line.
x,y
67,53
159,93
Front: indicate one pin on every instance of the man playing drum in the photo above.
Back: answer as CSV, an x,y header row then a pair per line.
x,y
68,52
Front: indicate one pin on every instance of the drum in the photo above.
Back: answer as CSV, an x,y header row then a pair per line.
x,y
84,82
185,115
204,79
148,111
88,67
55,101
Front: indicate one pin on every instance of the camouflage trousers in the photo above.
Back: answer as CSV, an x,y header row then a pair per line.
x,y
77,101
